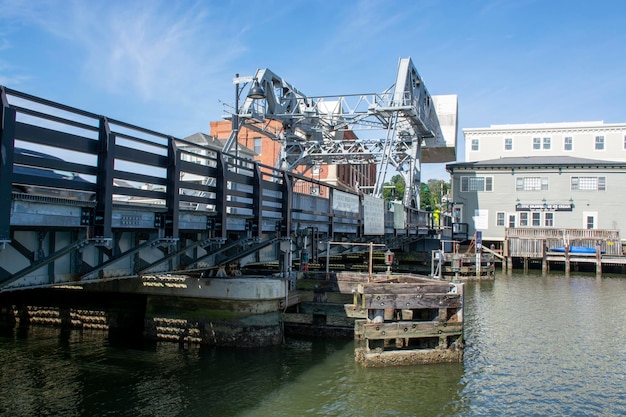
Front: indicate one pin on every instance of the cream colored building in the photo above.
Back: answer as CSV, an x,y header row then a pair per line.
x,y
592,140
556,175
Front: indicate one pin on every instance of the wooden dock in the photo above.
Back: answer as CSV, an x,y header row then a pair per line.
x,y
574,261
535,245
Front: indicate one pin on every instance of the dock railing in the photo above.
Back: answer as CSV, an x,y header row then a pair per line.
x,y
529,242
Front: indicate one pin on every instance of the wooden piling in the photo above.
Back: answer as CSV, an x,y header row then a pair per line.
x,y
422,322
598,259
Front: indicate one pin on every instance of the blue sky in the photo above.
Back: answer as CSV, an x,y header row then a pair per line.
x,y
167,65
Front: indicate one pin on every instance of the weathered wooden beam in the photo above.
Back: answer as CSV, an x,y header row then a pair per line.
x,y
404,288
412,301
410,330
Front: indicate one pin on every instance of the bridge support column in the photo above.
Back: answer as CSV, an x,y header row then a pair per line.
x,y
238,312
7,316
213,322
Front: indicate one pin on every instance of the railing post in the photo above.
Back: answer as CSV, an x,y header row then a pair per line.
x,y
598,259
257,207
7,135
104,183
221,191
544,258
173,194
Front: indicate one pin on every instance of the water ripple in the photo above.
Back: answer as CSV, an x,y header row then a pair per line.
x,y
535,346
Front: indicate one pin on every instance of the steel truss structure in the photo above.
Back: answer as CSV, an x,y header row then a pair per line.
x,y
395,126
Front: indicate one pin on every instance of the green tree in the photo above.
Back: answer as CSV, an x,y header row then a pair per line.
x,y
425,197
431,194
394,189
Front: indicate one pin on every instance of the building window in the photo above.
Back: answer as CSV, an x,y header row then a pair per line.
x,y
548,220
568,145
588,184
523,219
508,144
599,143
536,144
624,141
500,218
590,222
474,144
257,146
469,184
511,220
531,184
536,219
546,143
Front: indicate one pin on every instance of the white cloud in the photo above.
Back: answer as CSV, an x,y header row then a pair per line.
x,y
151,48
153,55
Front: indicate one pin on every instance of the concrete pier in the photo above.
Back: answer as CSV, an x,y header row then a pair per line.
x,y
242,312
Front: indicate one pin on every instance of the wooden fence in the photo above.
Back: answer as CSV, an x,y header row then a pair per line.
x,y
529,242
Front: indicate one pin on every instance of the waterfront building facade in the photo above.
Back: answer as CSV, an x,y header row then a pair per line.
x,y
561,175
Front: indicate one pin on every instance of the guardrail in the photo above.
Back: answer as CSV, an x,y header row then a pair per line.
x,y
54,150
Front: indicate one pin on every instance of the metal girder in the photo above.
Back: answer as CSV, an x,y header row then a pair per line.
x,y
313,129
45,261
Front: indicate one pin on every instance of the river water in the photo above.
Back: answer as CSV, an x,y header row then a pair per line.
x,y
536,346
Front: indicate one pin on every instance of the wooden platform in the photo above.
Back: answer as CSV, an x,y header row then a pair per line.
x,y
600,261
534,244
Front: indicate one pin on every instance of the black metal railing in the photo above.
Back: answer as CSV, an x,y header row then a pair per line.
x,y
54,150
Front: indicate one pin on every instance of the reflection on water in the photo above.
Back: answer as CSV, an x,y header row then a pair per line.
x,y
535,346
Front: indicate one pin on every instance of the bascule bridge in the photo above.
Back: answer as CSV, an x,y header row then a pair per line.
x,y
109,214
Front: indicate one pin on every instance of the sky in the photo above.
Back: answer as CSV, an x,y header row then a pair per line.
x,y
168,65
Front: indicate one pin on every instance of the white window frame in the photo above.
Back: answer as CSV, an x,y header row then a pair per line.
x,y
535,218
548,217
508,144
587,183
531,184
468,182
475,145
586,216
547,144
536,144
599,143
500,218
512,218
571,143
523,219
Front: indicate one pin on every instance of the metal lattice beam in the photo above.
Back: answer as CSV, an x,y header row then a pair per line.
x,y
392,125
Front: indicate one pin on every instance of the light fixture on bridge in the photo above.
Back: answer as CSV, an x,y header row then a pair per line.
x,y
256,91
